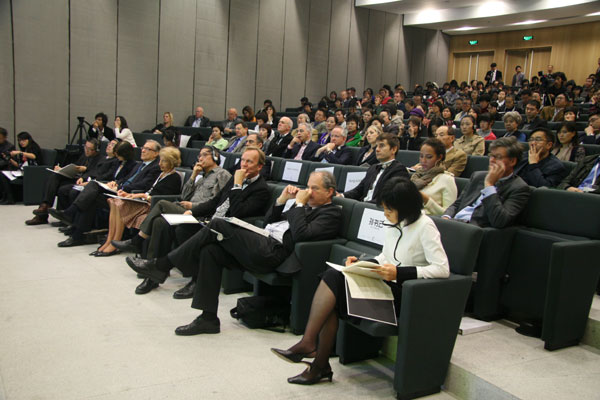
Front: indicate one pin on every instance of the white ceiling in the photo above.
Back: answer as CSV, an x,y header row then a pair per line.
x,y
487,15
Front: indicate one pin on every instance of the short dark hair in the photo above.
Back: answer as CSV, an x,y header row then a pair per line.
x,y
512,146
485,97
402,196
572,109
493,65
527,92
353,117
390,139
3,132
437,146
535,103
261,115
259,139
242,123
125,150
266,126
103,116
485,117
216,156
94,142
218,127
549,135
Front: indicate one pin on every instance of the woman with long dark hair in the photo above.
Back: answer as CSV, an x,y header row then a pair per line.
x,y
29,153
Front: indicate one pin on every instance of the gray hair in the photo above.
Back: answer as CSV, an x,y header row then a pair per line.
x,y
306,125
327,179
157,145
515,116
514,149
305,115
287,121
342,130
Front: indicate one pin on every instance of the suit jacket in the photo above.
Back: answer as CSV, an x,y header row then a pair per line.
x,y
128,168
411,143
90,163
548,114
108,133
590,139
279,145
536,123
498,210
548,172
105,169
343,156
204,122
488,75
359,193
392,128
309,151
579,173
245,203
455,161
371,159
171,184
144,180
306,225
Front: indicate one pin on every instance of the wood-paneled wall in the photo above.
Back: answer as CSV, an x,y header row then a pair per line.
x,y
575,48
141,58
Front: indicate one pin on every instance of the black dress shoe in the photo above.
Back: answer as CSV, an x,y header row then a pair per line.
x,y
147,268
198,326
60,215
37,220
146,286
70,242
313,374
65,229
186,292
107,254
289,356
125,246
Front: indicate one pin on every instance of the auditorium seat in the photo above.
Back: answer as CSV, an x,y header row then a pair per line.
x,y
474,164
34,178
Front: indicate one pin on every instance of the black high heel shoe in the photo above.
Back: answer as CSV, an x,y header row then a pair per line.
x,y
313,374
289,356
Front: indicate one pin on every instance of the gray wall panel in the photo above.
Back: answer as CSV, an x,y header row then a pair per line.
x,y
241,68
443,54
357,54
375,49
7,100
403,71
212,33
176,58
41,40
318,50
431,48
338,45
390,48
93,60
138,63
295,48
269,58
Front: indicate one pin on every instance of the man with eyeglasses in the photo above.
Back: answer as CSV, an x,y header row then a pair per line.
x,y
206,181
254,140
335,152
245,195
456,159
86,168
82,213
556,113
592,131
541,167
496,197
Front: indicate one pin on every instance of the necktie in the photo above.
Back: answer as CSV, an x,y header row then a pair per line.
x,y
141,167
300,152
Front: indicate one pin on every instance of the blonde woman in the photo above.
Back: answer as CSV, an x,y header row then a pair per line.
x,y
131,214
367,155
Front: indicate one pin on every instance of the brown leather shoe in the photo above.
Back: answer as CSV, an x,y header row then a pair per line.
x,y
37,220
41,210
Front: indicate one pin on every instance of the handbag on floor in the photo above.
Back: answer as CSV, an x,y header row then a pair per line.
x,y
262,312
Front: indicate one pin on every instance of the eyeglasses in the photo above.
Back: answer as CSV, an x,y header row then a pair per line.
x,y
148,148
536,139
496,156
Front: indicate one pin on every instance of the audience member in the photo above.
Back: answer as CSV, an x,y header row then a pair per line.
x,y
556,113
335,152
353,137
230,122
301,147
167,124
592,131
493,198
571,114
367,155
216,138
470,142
512,120
282,138
248,114
369,188
237,142
584,177
517,80
122,131
5,149
455,160
99,130
29,153
493,74
485,127
198,120
541,167
326,136
567,146
532,119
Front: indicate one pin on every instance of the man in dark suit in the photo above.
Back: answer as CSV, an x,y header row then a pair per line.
x,y
493,74
377,175
592,131
282,138
198,120
494,198
532,120
224,245
584,177
541,168
82,212
86,167
236,143
99,130
254,140
301,147
335,152
245,195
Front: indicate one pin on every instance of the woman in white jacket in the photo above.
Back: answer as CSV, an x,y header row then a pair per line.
x,y
412,250
122,131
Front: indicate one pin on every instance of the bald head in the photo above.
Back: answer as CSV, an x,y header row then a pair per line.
x,y
232,114
199,112
285,125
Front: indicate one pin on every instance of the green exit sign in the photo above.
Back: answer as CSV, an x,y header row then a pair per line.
x,y
527,38
473,42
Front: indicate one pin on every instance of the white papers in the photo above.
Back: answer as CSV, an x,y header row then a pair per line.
x,y
183,140
291,173
106,187
178,219
353,179
371,226
17,173
79,188
364,282
10,175
114,196
364,268
69,171
326,169
470,325
246,225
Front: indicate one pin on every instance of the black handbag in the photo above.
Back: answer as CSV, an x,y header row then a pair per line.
x,y
262,312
